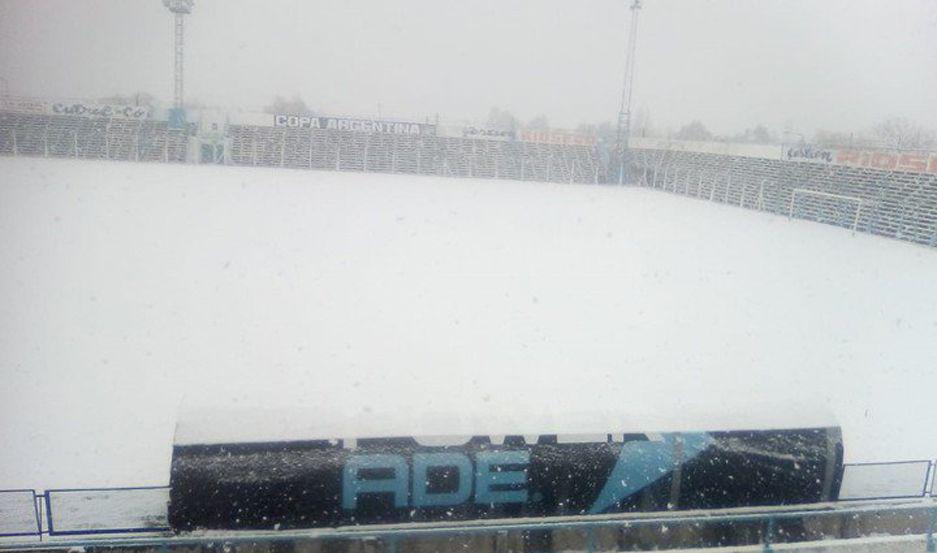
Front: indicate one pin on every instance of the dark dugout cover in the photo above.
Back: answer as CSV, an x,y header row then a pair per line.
x,y
322,483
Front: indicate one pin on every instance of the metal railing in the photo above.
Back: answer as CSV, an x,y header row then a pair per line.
x,y
893,204
65,136
766,529
59,516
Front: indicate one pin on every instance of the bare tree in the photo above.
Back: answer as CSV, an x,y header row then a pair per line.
x,y
501,119
695,130
902,134
539,123
832,139
136,99
292,106
759,134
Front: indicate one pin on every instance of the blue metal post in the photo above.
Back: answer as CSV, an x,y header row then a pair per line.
x,y
769,534
931,542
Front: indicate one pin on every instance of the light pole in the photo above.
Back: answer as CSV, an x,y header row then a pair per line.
x,y
179,9
624,111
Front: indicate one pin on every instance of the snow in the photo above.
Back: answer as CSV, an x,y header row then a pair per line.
x,y
259,424
885,481
88,511
130,290
17,513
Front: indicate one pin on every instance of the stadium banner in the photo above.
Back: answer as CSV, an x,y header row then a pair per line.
x,y
354,125
100,110
807,152
476,132
25,105
557,136
488,134
338,482
760,151
883,160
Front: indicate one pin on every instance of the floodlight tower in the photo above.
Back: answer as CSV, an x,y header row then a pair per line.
x,y
624,111
179,9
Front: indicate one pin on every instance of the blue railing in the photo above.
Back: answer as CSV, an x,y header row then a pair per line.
x,y
394,539
85,513
107,510
19,513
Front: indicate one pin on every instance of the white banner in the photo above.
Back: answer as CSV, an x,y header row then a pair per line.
x,y
721,148
25,105
488,134
355,125
806,152
100,110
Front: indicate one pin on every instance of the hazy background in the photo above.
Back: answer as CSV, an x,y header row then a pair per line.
x,y
798,64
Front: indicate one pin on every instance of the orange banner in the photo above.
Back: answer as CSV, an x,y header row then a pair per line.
x,y
553,136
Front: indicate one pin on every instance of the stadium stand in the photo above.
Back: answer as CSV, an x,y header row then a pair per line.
x,y
891,203
423,155
92,138
895,204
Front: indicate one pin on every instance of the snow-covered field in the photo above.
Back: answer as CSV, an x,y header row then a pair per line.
x,y
129,290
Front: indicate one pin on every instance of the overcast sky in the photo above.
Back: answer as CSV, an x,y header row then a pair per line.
x,y
802,64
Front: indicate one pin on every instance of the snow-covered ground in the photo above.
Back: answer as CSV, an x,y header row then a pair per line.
x,y
129,290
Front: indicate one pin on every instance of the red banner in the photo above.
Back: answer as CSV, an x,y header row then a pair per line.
x,y
912,162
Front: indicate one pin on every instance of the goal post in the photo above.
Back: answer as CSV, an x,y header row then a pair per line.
x,y
826,207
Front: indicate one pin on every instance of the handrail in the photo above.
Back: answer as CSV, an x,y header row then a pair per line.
x,y
46,520
769,518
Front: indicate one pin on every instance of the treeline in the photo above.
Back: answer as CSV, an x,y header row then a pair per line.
x,y
893,133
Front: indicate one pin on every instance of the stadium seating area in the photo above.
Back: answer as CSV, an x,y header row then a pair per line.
x,y
92,138
424,155
895,204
